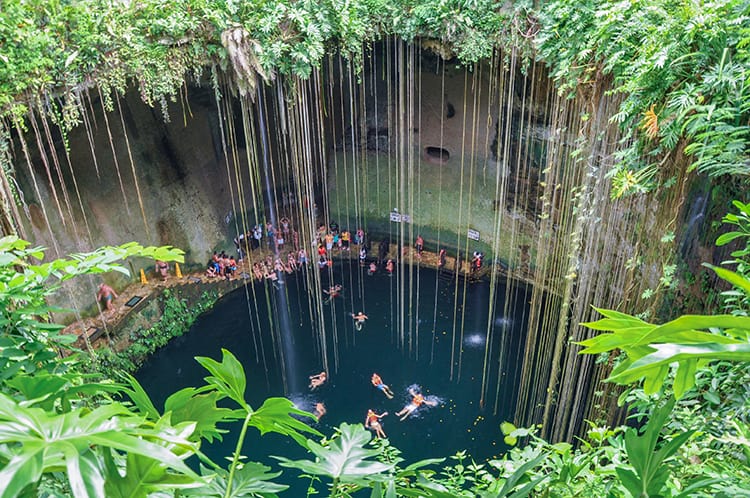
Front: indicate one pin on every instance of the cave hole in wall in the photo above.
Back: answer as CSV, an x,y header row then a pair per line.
x,y
436,155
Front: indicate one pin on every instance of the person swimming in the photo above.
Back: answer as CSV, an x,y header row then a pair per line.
x,y
320,410
317,380
417,400
333,291
372,422
378,382
359,320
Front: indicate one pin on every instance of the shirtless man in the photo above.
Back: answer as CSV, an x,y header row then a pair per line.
x,y
317,380
106,293
359,320
320,410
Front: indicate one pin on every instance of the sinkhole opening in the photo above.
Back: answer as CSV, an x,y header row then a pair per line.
x,y
436,155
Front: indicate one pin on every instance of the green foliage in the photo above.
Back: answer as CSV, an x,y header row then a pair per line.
x,y
29,340
35,442
649,475
176,319
344,459
59,46
651,349
251,480
681,69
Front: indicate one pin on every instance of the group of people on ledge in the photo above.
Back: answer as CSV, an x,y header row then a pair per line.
x,y
372,419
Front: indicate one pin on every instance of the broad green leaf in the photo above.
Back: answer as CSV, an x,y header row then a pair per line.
x,y
187,405
519,474
665,354
630,481
684,379
252,480
345,458
275,415
143,476
84,473
733,278
673,331
423,463
38,386
728,237
228,376
23,469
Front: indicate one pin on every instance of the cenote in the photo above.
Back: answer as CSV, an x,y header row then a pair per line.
x,y
461,419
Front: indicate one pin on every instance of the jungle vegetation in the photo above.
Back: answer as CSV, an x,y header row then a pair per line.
x,y
680,67
681,70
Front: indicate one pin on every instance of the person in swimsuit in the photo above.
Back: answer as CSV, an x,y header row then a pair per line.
x,y
417,400
162,268
317,380
320,410
372,422
419,246
441,259
378,382
373,268
359,320
390,266
333,291
107,294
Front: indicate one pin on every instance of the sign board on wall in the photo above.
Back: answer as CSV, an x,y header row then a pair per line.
x,y
473,234
398,217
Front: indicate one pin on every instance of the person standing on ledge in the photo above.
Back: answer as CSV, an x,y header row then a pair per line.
x,y
162,268
106,293
419,246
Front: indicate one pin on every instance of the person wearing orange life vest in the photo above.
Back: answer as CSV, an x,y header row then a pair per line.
x,y
378,382
372,421
417,400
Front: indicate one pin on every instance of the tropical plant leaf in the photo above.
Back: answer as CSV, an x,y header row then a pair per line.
x,y
665,354
732,277
47,441
345,458
189,405
252,480
275,415
228,376
142,476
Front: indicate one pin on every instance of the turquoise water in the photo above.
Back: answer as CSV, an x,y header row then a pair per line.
x,y
458,422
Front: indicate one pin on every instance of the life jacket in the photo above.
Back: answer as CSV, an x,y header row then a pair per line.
x,y
371,417
376,380
418,399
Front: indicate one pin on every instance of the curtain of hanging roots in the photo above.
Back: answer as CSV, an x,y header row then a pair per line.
x,y
553,224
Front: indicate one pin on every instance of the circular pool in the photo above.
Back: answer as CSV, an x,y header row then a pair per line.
x,y
424,329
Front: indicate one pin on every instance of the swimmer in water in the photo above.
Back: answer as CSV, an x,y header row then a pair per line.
x,y
317,380
359,320
320,410
417,400
372,422
333,291
378,382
